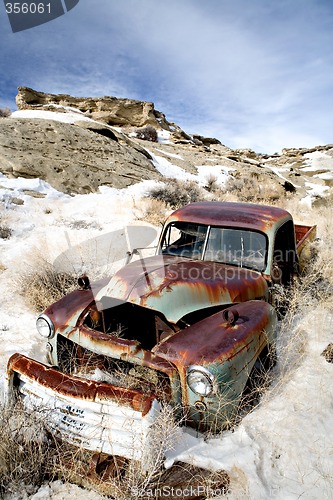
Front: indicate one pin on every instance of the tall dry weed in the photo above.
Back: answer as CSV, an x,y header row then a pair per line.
x,y
252,187
154,211
312,291
26,450
5,230
41,284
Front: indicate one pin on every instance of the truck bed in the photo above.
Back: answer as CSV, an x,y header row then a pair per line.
x,y
305,235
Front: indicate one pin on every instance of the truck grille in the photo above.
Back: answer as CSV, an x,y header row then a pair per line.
x,y
93,415
74,359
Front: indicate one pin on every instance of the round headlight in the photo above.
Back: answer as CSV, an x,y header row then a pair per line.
x,y
200,380
45,326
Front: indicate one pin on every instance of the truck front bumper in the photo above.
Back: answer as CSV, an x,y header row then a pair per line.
x,y
93,415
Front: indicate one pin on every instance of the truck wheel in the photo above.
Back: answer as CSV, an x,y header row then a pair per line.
x,y
259,379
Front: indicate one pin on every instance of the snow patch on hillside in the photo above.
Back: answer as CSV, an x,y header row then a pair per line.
x,y
318,161
168,169
68,117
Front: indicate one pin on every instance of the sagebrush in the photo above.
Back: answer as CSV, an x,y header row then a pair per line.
x,y
5,231
147,133
250,187
5,112
176,193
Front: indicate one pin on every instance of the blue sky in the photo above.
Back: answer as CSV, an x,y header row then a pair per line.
x,y
253,73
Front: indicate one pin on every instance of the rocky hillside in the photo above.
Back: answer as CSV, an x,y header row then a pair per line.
x,y
78,144
72,158
125,113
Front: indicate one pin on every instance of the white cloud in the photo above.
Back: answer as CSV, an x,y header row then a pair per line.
x,y
249,73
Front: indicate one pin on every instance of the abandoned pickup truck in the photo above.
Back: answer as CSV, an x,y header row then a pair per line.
x,y
182,328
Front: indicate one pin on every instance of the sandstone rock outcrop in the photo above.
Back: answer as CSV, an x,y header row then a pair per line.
x,y
80,156
71,158
111,110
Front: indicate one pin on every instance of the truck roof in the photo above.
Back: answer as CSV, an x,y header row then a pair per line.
x,y
230,214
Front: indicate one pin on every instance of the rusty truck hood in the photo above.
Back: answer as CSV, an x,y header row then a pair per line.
x,y
66,311
178,286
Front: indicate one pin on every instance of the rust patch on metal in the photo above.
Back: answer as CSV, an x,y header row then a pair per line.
x,y
195,284
75,387
226,214
71,306
214,338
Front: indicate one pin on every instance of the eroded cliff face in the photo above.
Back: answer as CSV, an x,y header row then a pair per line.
x,y
111,110
99,147
72,158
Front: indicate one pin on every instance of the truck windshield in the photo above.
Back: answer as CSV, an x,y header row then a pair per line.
x,y
239,247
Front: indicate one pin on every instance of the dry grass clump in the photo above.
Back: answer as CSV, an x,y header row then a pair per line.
x,y
328,353
211,183
41,284
252,187
177,193
5,112
155,211
5,231
26,451
164,436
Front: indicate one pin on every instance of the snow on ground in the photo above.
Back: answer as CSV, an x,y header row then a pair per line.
x,y
168,169
315,189
325,176
20,184
171,155
57,490
282,450
318,161
163,136
68,117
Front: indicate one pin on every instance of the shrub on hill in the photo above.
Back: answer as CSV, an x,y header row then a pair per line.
x,y
5,112
147,133
251,188
5,232
177,193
